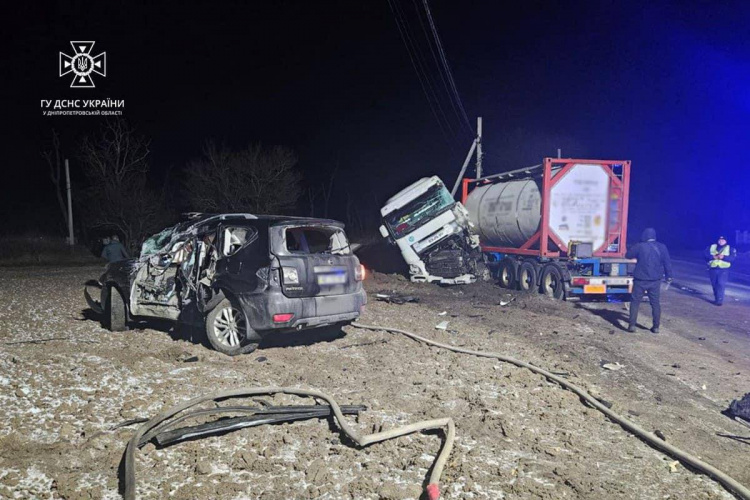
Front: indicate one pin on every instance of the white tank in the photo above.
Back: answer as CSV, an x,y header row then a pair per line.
x,y
507,214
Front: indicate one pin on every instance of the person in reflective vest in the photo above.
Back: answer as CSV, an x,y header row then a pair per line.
x,y
719,257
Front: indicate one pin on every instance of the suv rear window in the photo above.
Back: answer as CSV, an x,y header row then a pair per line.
x,y
312,240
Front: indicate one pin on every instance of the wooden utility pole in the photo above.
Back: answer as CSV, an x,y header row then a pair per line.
x,y
479,147
71,238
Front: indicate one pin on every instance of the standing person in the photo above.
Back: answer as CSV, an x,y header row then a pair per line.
x,y
653,264
719,257
114,251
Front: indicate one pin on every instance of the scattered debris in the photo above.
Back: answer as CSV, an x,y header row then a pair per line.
x,y
261,359
191,359
362,344
396,298
51,339
443,313
260,416
504,303
660,435
740,408
673,466
612,366
443,325
161,427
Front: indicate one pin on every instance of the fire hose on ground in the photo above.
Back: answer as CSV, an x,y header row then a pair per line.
x,y
686,458
155,426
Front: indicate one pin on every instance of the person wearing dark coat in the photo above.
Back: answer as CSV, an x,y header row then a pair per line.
x,y
653,264
114,251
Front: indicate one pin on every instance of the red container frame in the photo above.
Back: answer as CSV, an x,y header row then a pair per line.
x,y
544,241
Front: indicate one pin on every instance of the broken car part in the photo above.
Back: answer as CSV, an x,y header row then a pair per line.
x,y
650,438
396,297
740,408
432,489
261,417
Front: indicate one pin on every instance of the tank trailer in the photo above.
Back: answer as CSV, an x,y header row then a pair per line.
x,y
558,228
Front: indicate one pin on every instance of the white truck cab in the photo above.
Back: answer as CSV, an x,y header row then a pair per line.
x,y
433,232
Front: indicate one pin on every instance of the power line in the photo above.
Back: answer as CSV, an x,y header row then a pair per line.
x,y
419,57
418,71
446,66
437,63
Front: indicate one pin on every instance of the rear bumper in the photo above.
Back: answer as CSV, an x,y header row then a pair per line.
x,y
308,312
602,285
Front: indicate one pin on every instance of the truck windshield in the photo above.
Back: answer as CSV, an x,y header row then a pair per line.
x,y
419,211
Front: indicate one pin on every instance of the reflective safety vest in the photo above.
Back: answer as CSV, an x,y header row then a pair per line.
x,y
716,263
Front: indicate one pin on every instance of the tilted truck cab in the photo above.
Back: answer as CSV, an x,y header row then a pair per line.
x,y
433,233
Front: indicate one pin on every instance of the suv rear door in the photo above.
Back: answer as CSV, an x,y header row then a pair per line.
x,y
315,260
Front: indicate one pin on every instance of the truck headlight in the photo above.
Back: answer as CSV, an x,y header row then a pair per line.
x,y
291,275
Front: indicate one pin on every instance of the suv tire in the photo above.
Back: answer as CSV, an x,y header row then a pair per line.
x,y
227,330
115,314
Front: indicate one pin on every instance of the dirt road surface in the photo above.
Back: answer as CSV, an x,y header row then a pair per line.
x,y
518,436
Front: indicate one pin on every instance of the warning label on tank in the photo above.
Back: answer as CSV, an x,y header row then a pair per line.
x,y
578,205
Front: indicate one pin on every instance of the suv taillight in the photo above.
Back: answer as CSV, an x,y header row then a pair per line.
x,y
360,273
291,276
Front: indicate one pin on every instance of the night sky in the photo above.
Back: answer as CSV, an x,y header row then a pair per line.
x,y
664,85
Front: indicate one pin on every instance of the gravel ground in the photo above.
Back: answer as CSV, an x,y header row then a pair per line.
x,y
518,436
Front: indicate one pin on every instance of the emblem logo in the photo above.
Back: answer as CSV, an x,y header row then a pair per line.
x,y
82,64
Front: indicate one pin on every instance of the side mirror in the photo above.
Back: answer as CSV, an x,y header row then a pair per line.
x,y
383,231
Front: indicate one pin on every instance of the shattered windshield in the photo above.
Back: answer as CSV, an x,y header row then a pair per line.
x,y
157,242
412,215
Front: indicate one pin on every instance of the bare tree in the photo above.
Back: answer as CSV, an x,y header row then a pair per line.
x,y
254,179
119,197
53,157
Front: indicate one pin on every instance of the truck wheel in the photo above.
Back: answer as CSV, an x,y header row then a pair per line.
x,y
507,273
552,282
227,330
527,277
115,314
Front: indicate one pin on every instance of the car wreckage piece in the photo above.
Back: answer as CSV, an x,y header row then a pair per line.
x,y
239,276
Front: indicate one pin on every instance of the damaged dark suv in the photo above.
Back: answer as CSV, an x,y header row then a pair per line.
x,y
239,276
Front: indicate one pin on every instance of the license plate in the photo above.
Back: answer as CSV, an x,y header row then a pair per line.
x,y
594,288
618,281
331,279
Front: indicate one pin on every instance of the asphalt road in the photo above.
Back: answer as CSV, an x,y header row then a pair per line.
x,y
692,276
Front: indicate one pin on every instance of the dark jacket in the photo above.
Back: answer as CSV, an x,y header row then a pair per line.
x,y
114,252
653,258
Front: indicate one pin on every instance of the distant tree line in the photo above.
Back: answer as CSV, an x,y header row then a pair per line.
x,y
121,197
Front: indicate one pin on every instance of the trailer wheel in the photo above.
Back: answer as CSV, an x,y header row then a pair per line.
x,y
527,277
552,282
507,273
